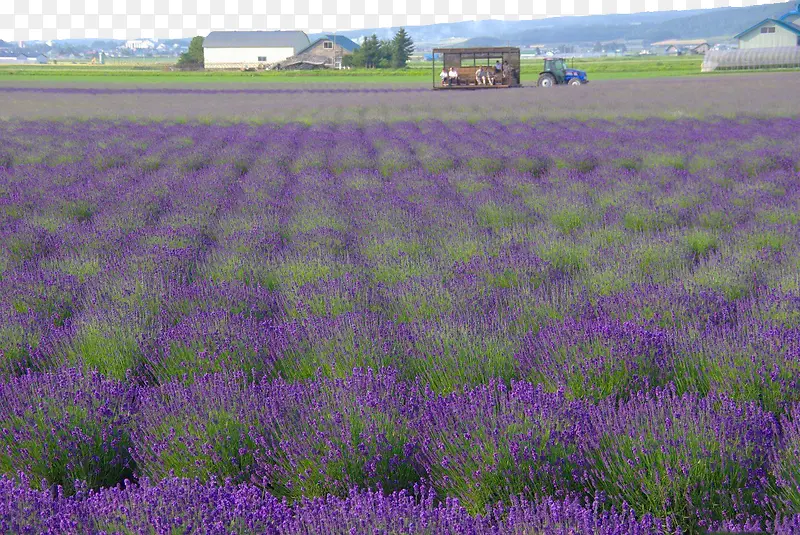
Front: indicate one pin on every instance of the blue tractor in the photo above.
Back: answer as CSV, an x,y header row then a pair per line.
x,y
556,72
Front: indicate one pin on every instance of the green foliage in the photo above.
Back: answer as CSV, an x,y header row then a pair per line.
x,y
80,210
242,268
16,343
485,165
565,256
716,220
452,358
722,279
495,216
537,166
629,164
467,185
109,347
659,261
568,219
230,454
701,243
644,220
372,54
768,240
675,161
402,47
194,57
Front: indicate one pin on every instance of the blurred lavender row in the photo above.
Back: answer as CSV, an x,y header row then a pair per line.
x,y
549,313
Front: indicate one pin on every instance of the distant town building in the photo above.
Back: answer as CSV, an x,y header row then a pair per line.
x,y
675,47
140,44
773,33
242,49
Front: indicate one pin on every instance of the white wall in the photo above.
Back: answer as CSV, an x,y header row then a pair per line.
x,y
239,56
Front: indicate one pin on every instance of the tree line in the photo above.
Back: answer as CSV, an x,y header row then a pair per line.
x,y
376,53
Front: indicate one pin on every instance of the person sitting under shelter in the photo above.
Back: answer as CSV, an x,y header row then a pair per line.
x,y
490,76
453,75
444,76
481,76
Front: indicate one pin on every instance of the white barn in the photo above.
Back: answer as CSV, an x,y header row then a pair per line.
x,y
233,50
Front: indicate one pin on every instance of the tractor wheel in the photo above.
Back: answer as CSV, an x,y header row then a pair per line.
x,y
575,81
546,80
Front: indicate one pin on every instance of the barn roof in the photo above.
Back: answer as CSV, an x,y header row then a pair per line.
x,y
257,39
344,42
785,25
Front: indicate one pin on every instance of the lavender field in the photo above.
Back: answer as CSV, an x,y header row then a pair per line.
x,y
415,327
763,94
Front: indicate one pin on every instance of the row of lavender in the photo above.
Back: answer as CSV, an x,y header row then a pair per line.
x,y
604,261
676,461
186,506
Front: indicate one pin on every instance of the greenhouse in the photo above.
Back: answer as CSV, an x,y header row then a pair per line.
x,y
753,58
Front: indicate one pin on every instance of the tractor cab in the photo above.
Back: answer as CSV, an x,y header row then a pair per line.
x,y
557,72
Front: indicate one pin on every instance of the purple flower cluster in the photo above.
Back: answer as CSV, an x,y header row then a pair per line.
x,y
214,507
298,328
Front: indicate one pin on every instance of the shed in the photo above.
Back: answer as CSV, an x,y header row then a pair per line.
x,y
243,49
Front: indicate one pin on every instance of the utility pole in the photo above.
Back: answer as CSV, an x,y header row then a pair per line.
x,y
334,49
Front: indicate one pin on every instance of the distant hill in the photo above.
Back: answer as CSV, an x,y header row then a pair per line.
x,y
650,27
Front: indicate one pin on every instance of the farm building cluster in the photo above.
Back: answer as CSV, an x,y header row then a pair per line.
x,y
274,50
22,59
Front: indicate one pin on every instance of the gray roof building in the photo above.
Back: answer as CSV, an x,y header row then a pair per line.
x,y
345,42
257,39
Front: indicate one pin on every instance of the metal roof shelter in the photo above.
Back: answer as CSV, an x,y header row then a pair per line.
x,y
469,59
257,39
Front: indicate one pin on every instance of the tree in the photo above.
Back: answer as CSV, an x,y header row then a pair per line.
x,y
401,49
194,57
371,54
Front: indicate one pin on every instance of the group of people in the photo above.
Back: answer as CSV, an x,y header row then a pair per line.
x,y
483,76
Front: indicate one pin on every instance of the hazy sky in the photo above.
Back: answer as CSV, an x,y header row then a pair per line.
x,y
131,19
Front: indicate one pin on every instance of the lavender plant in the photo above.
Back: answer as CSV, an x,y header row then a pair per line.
x,y
63,427
690,458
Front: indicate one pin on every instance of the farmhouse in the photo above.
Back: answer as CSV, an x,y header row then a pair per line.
x,y
325,52
235,50
773,33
